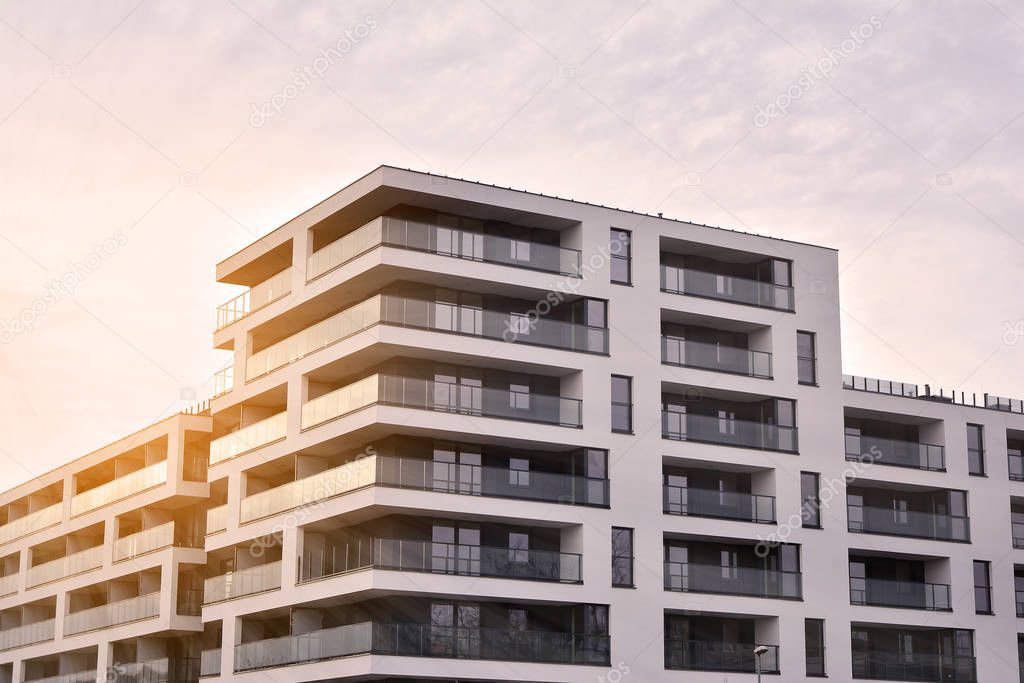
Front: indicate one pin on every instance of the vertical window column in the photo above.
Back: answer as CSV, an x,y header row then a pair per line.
x,y
982,587
621,251
975,450
622,404
622,557
806,358
810,495
814,646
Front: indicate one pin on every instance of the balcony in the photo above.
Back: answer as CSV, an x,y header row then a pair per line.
x,y
27,634
223,381
216,519
422,640
443,558
120,488
8,584
879,386
904,594
687,353
32,522
909,523
69,565
209,662
434,238
255,298
241,582
895,452
725,287
113,614
701,655
146,541
727,431
76,677
424,394
695,502
402,311
152,671
751,581
902,666
245,439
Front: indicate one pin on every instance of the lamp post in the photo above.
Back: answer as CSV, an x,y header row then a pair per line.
x,y
758,651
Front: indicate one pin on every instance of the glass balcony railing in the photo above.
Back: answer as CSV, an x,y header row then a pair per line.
x,y
257,579
879,386
30,523
409,392
69,565
693,354
143,542
8,584
216,519
921,456
113,613
728,432
677,280
693,502
421,314
255,298
320,486
152,671
120,488
902,666
422,640
436,239
27,634
702,655
268,430
442,558
708,578
906,594
423,475
209,662
76,677
223,381
890,522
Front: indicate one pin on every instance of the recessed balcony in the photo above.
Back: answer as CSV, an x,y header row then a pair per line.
x,y
695,492
916,513
257,578
255,298
27,634
699,416
514,402
445,311
700,643
906,653
249,437
885,442
732,569
120,488
113,614
69,565
209,662
75,677
726,275
442,236
31,522
883,581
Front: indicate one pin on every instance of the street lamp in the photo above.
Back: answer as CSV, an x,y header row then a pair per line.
x,y
758,651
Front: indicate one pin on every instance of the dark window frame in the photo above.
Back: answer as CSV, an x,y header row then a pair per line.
x,y
813,500
813,359
976,454
986,567
622,256
818,651
627,405
619,559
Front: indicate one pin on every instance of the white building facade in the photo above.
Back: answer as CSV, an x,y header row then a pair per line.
x,y
460,442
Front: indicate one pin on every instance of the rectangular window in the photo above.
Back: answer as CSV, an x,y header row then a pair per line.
x,y
806,361
811,496
982,587
620,249
622,557
814,645
975,450
622,404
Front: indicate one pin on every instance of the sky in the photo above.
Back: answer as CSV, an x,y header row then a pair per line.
x,y
143,142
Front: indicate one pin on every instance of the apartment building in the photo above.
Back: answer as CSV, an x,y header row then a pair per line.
x,y
478,434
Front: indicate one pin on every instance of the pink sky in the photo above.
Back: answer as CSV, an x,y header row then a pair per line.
x,y
132,162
